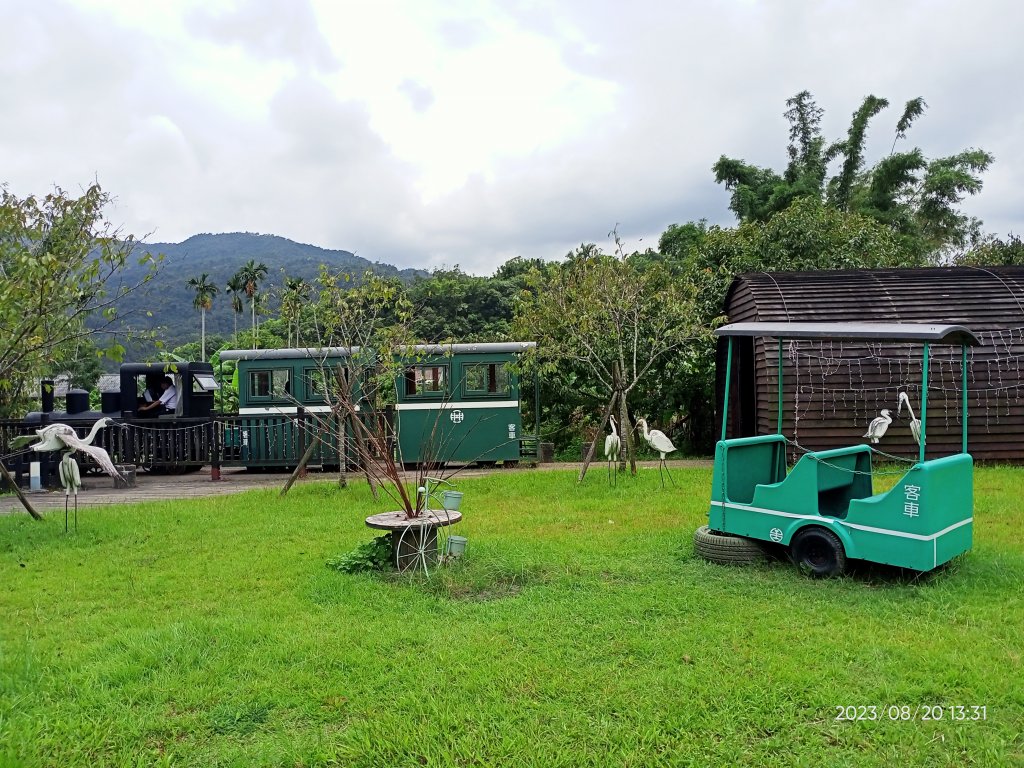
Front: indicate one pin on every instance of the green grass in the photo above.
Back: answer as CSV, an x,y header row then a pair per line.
x,y
579,630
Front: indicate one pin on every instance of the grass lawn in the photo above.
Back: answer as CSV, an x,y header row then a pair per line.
x,y
579,630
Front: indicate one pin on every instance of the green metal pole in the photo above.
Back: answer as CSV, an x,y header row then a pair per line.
x,y
924,400
963,386
728,378
780,386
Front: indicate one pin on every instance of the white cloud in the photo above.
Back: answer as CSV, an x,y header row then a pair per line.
x,y
425,133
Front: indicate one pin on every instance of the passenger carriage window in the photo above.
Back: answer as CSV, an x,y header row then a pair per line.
x,y
270,383
319,380
428,380
486,379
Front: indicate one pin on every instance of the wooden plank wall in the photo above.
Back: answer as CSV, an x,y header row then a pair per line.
x,y
835,388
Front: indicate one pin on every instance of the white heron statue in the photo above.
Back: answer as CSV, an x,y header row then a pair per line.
x,y
612,446
915,423
61,437
659,441
878,425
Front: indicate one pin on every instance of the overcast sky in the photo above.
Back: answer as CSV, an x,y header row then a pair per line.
x,y
426,133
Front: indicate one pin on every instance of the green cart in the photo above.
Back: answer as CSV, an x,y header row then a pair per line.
x,y
824,509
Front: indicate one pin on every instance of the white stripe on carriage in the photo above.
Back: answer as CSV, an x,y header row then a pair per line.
x,y
458,405
283,410
856,526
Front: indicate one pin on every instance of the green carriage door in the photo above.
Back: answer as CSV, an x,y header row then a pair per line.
x,y
270,430
490,407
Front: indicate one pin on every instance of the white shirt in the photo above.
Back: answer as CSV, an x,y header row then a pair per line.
x,y
169,398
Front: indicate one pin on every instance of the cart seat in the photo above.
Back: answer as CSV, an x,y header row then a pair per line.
x,y
748,462
821,483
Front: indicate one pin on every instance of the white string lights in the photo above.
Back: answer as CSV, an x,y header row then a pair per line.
x,y
848,383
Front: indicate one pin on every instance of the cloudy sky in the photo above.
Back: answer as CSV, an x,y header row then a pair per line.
x,y
424,133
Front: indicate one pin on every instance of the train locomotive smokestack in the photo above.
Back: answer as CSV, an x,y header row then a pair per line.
x,y
46,396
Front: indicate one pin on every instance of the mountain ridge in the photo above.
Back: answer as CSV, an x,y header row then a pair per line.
x,y
220,255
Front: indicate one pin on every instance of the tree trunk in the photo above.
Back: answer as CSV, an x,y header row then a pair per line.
x,y
202,315
625,432
252,302
299,469
600,431
630,432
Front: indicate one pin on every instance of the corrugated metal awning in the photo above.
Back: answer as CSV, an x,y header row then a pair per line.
x,y
896,332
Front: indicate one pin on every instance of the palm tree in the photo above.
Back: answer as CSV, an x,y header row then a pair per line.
x,y
251,273
236,288
296,291
205,291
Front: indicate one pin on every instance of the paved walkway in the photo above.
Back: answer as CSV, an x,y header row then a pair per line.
x,y
98,490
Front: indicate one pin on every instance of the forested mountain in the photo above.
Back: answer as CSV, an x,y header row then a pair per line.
x,y
169,299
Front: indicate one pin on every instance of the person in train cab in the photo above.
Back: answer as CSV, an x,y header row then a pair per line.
x,y
152,391
166,403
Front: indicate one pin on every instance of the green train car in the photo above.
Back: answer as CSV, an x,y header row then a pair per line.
x,y
457,403
462,403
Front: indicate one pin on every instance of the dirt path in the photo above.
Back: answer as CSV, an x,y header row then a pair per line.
x,y
99,490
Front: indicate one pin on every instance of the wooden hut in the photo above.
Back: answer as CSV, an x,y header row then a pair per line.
x,y
834,389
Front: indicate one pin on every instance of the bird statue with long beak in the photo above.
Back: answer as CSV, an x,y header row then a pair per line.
x,y
61,437
659,441
915,423
612,446
878,425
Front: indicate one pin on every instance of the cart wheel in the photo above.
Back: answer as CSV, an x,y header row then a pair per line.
x,y
818,553
416,548
726,549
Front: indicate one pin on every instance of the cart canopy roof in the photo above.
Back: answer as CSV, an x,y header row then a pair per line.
x,y
912,332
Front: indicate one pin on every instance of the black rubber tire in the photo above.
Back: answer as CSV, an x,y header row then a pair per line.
x,y
726,549
818,552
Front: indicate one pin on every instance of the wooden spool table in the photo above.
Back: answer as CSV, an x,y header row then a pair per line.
x,y
414,539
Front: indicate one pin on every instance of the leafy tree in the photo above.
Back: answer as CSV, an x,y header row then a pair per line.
x,y
453,305
82,361
61,274
678,243
518,268
611,318
205,292
918,197
251,274
192,350
296,293
236,289
996,253
371,317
